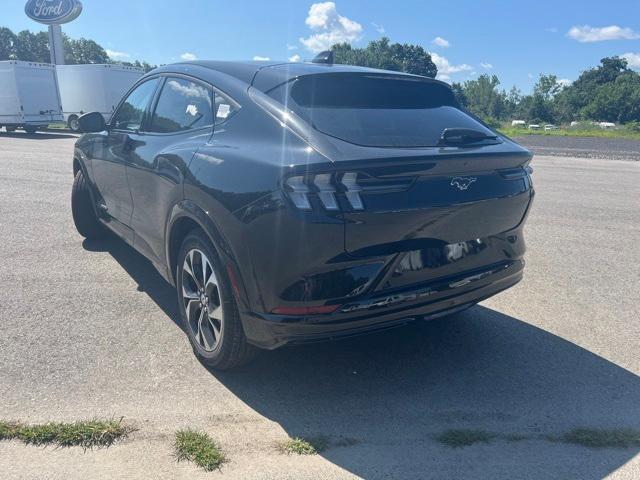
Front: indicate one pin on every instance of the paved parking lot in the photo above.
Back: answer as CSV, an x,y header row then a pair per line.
x,y
89,330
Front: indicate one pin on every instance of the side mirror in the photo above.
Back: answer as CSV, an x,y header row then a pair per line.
x,y
92,122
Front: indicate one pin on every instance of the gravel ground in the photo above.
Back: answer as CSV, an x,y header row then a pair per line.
x,y
584,147
88,330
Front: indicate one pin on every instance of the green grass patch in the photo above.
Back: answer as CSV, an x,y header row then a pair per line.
x,y
621,132
199,448
85,434
601,438
464,437
302,446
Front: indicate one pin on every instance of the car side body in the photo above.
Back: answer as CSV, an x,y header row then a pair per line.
x,y
320,237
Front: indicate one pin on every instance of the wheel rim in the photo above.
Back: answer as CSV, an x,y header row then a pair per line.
x,y
75,125
202,300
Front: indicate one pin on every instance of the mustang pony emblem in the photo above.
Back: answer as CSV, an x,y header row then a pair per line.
x,y
462,183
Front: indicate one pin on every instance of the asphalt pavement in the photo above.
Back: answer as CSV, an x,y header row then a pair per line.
x,y
584,147
90,330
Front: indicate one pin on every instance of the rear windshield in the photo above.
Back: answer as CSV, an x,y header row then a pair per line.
x,y
376,110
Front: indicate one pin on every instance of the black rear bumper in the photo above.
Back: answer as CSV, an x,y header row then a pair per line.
x,y
376,312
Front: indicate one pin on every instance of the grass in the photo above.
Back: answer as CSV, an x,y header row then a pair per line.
x,y
602,438
301,446
573,132
85,434
199,448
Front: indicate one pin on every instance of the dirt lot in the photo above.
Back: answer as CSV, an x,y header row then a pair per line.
x,y
89,330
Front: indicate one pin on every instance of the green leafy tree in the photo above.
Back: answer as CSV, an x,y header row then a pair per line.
x,y
33,47
7,44
388,56
616,101
83,51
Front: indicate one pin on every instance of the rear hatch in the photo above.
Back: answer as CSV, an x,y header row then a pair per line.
x,y
415,174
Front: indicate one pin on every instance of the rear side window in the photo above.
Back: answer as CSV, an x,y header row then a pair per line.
x,y
182,106
376,110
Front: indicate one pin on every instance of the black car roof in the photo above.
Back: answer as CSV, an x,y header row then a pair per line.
x,y
266,75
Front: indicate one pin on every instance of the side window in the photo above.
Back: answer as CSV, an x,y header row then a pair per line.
x,y
224,107
183,105
129,115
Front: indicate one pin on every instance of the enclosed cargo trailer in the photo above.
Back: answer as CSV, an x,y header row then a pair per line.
x,y
93,88
29,96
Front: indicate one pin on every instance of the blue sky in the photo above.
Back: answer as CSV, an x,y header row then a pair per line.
x,y
516,40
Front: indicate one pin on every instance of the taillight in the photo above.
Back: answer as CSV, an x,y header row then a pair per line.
x,y
326,187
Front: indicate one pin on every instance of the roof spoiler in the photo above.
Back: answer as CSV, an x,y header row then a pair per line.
x,y
324,57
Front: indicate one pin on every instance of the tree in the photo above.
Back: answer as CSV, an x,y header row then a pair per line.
x,y
482,97
571,102
33,47
388,56
83,51
7,44
616,101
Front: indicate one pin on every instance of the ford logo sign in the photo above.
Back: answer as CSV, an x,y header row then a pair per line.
x,y
53,12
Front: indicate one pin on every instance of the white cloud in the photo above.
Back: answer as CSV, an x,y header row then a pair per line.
x,y
441,42
117,55
443,77
379,28
445,69
564,82
633,59
258,58
291,47
188,56
488,66
586,34
330,26
295,58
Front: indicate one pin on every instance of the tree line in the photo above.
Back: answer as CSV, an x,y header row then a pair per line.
x,y
34,47
608,92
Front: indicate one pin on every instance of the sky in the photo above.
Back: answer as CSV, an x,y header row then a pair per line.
x,y
516,40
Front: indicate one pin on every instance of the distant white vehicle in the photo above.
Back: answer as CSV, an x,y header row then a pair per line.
x,y
550,126
534,126
607,125
93,88
518,123
575,124
29,97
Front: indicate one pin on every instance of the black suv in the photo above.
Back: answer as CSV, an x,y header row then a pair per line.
x,y
290,203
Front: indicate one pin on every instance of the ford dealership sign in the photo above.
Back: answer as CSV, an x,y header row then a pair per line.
x,y
53,12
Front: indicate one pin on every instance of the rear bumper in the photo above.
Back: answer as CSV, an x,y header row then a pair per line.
x,y
376,312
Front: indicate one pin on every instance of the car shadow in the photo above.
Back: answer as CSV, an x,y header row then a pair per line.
x,y
37,136
380,399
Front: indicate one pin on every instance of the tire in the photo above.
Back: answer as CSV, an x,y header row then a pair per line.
x,y
73,124
30,130
207,307
10,129
84,214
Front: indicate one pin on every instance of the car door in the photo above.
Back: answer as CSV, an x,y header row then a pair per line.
x,y
180,121
112,152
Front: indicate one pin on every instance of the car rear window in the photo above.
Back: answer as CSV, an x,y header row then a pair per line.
x,y
376,110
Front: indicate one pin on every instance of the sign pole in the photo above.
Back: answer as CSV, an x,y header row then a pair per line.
x,y
56,45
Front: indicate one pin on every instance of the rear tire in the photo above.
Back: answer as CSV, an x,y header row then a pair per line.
x,y
207,306
30,130
73,124
84,214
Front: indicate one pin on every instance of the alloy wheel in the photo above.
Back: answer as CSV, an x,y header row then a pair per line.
x,y
202,299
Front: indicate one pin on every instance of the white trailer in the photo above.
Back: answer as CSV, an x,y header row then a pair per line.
x,y
29,96
93,88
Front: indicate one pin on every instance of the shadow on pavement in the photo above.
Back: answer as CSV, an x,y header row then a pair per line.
x,y
387,394
37,135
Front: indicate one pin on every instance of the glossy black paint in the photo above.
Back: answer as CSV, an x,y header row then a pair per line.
x,y
422,246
